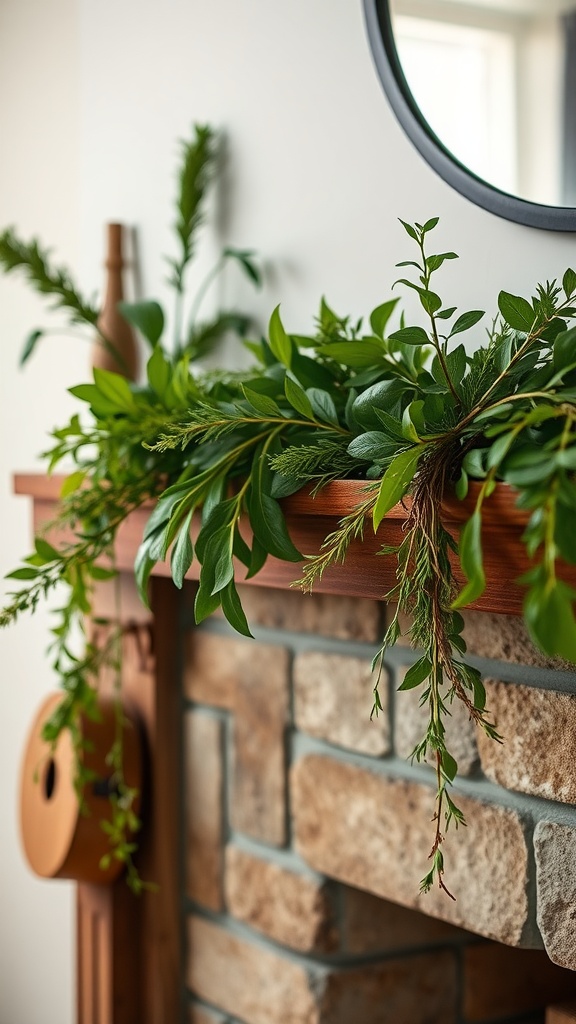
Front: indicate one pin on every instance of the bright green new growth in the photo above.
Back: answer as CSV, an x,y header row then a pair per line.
x,y
408,410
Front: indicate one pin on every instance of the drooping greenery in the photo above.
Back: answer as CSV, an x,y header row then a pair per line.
x,y
408,409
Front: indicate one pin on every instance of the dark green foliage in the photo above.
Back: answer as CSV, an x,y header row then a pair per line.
x,y
408,409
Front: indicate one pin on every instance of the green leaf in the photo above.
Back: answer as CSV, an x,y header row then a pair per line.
x,y
416,674
569,282
396,481
449,765
411,336
323,405
25,573
564,354
265,514
30,343
47,552
280,343
182,553
146,316
72,483
356,354
232,608
409,229
430,301
516,311
244,258
218,556
115,389
434,262
380,316
298,398
549,615
143,566
373,446
263,405
471,561
158,371
466,321
430,224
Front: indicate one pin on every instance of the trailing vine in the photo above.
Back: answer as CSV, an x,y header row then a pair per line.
x,y
409,410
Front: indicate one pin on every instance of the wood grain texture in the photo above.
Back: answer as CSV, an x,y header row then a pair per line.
x,y
366,572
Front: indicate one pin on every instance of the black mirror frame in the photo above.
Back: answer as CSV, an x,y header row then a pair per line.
x,y
385,55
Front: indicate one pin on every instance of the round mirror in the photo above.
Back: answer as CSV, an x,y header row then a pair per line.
x,y
486,91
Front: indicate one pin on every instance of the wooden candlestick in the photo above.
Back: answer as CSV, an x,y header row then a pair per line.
x,y
111,324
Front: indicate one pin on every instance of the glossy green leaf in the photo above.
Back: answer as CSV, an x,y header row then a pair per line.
x,y
411,336
182,552
146,316
466,321
396,482
280,343
115,389
516,311
262,404
416,674
323,405
549,615
380,316
232,608
471,561
298,398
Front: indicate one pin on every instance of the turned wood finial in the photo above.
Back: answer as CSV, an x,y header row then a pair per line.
x,y
111,325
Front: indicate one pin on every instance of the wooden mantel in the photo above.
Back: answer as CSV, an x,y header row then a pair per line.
x,y
364,575
130,955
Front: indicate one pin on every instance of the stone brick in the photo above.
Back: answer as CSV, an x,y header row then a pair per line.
x,y
374,925
258,783
555,849
260,986
251,680
504,638
289,907
333,699
204,809
411,720
499,982
375,833
415,990
244,979
331,615
214,666
539,749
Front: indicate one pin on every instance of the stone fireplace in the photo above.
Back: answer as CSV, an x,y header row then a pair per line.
x,y
288,834
307,830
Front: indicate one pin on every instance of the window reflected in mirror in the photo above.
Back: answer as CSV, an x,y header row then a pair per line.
x,y
496,82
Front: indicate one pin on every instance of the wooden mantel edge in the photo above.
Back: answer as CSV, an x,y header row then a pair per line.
x,y
366,573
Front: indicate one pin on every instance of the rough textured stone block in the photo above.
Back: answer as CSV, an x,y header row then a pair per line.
x,y
499,982
555,848
290,907
505,638
346,618
242,978
375,833
411,720
214,666
204,809
415,990
251,680
258,783
260,986
539,749
333,699
373,925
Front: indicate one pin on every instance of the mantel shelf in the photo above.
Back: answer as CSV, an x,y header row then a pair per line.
x,y
366,572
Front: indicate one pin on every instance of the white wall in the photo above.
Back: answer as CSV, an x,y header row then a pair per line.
x,y
318,173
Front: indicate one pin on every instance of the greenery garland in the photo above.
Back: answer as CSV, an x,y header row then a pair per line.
x,y
408,410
